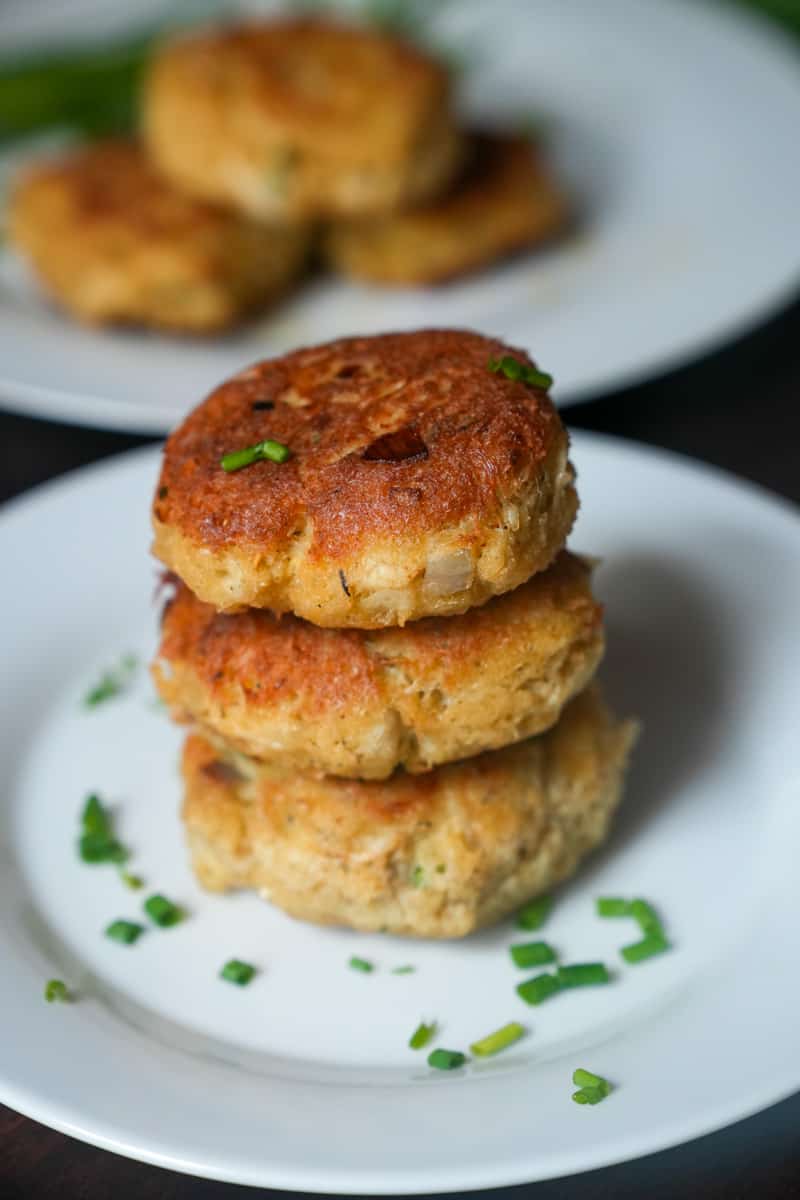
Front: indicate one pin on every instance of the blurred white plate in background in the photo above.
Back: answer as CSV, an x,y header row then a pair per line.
x,y
675,125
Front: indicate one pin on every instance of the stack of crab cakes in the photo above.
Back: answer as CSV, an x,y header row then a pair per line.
x,y
382,649
260,142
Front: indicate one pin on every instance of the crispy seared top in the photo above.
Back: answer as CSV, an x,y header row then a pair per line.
x,y
272,659
111,183
319,86
399,434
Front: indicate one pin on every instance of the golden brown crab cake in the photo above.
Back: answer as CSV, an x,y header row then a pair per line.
x,y
361,703
296,118
420,483
506,200
435,855
113,242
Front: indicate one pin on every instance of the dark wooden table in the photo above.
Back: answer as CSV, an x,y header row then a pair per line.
x,y
740,409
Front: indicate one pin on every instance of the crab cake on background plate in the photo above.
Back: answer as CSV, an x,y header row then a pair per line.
x,y
113,242
420,482
361,703
435,855
505,200
300,118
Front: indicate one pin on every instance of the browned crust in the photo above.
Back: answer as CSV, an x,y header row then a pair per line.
x,y
486,438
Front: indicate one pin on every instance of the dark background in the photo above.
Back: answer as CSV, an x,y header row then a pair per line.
x,y
738,408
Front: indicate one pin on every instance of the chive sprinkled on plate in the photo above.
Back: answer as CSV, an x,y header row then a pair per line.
x,y
56,991
406,969
162,911
97,843
268,450
512,368
591,1088
134,882
613,906
582,974
422,1035
446,1060
535,913
538,989
361,964
126,932
112,683
532,954
501,1039
238,972
646,917
654,943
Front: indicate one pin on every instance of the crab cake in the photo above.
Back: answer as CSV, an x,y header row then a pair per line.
x,y
420,483
112,241
434,855
506,200
300,118
356,703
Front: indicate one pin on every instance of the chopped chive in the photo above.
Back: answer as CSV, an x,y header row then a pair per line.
x,y
654,943
124,931
404,970
538,989
446,1060
589,1095
236,971
493,1043
583,1078
162,911
535,913
418,876
422,1035
56,990
646,916
583,974
97,843
270,450
532,954
134,882
94,817
612,906
112,683
512,368
361,964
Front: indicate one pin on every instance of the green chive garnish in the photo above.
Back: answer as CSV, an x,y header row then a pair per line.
x,y
538,989
134,882
612,906
512,368
112,683
446,1060
422,1035
418,876
493,1043
405,970
589,1095
583,974
124,931
56,990
534,914
236,971
583,1078
269,450
646,916
361,964
162,911
654,943
532,954
97,843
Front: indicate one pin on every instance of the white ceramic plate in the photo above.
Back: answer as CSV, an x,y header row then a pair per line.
x,y
304,1080
674,123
